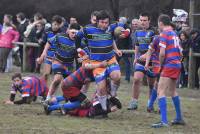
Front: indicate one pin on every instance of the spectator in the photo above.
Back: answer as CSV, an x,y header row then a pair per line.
x,y
64,25
195,36
8,36
186,43
125,43
38,50
21,27
32,37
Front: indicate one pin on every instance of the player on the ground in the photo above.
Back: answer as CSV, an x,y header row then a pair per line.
x,y
152,63
170,60
29,87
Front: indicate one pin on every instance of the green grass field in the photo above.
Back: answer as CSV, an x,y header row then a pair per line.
x,y
30,119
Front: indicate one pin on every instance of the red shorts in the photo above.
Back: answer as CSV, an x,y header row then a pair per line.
x,y
170,72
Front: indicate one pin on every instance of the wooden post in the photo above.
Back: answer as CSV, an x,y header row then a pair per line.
x,y
191,70
24,57
191,17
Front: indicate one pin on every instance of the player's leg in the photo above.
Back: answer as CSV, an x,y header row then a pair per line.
x,y
115,76
163,85
153,97
47,68
176,100
137,79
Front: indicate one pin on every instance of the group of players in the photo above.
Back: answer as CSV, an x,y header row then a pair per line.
x,y
157,56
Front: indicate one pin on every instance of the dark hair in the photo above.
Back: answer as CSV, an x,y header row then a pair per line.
x,y
10,17
38,15
185,34
57,18
21,15
145,14
31,20
94,13
165,19
75,26
16,75
102,15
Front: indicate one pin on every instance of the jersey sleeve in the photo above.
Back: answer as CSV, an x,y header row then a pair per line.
x,y
163,40
26,88
13,89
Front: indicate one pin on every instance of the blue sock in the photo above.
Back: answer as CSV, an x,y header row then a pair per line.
x,y
60,98
152,98
71,105
163,109
54,107
177,106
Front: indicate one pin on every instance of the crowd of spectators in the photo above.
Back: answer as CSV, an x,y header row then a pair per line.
x,y
33,30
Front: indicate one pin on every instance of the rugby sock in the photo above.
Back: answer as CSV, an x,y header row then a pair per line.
x,y
60,98
177,106
152,98
54,107
71,105
114,88
103,102
163,109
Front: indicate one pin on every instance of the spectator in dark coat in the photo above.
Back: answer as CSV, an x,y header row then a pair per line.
x,y
195,35
21,27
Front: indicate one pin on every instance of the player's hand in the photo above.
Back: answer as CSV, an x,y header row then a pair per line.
x,y
119,53
146,67
135,61
8,102
104,64
80,60
39,60
122,36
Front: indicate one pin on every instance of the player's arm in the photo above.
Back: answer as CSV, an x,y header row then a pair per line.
x,y
117,51
44,53
162,45
93,66
148,56
22,101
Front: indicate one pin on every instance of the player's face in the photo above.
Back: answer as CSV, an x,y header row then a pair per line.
x,y
93,20
160,26
55,26
72,33
103,24
73,20
17,82
144,21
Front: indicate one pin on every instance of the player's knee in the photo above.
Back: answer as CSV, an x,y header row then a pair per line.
x,y
136,80
116,77
56,82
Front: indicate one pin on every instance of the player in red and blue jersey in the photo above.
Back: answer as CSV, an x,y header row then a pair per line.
x,y
71,87
49,50
143,37
152,64
65,54
170,60
28,87
102,47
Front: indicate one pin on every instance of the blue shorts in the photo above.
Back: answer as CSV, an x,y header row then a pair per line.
x,y
149,73
103,73
62,69
48,61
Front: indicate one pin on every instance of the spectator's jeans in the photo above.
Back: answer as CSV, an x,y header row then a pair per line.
x,y
128,66
3,58
9,65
